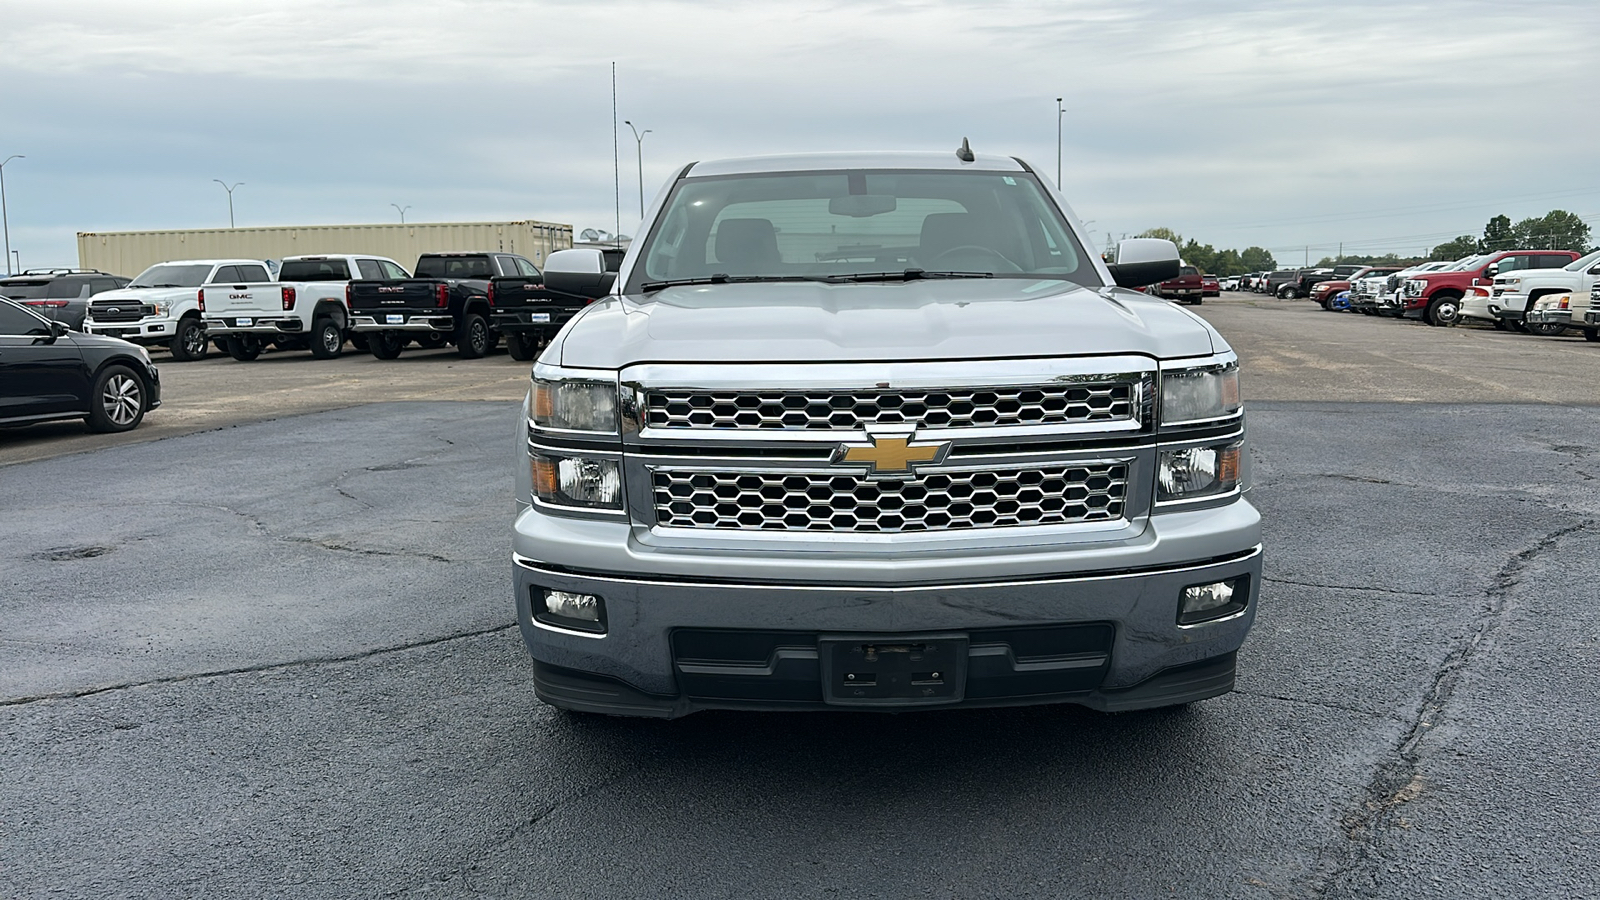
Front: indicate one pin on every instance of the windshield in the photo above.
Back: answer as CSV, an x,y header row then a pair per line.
x,y
1577,265
823,225
171,275
24,290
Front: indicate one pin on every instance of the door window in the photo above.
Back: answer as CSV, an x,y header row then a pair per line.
x,y
97,285
526,268
370,269
253,273
17,322
391,270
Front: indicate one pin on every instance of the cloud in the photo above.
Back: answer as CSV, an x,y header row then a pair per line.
x,y
1229,121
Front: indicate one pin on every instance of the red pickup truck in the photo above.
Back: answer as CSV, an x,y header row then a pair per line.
x,y
1186,287
1435,297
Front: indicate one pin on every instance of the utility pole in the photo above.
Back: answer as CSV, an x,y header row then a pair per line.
x,y
5,220
1341,252
1059,111
230,197
1308,254
402,210
638,137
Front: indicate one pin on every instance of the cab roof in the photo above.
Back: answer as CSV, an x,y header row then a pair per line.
x,y
820,162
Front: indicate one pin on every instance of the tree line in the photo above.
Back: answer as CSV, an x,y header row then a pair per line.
x,y
1212,261
1555,230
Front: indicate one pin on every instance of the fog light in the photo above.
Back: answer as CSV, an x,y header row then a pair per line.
x,y
583,612
1212,601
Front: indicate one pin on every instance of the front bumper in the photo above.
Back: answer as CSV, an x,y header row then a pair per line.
x,y
403,322
1128,593
146,330
1549,317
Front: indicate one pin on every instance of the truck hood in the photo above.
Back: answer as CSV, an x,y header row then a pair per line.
x,y
917,320
147,295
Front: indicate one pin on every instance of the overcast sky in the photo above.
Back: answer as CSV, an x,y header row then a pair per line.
x,y
1386,125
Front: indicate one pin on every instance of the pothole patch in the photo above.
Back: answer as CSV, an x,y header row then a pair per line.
x,y
63,554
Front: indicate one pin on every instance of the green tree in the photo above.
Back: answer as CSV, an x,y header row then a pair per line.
x,y
1201,256
1166,234
1556,230
1498,235
1229,263
1256,259
1465,245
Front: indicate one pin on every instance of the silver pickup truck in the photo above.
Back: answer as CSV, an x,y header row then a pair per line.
x,y
878,431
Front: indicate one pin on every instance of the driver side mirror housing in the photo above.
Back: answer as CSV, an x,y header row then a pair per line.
x,y
580,271
60,329
1492,271
1144,261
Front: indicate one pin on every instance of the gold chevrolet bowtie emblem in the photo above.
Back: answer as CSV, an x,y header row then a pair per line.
x,y
891,455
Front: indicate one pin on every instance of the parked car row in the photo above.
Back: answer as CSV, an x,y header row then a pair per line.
x,y
1533,291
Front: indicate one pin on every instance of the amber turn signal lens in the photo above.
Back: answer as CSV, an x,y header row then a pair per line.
x,y
544,477
1228,466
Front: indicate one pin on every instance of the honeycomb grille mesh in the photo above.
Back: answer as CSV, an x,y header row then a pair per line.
x,y
854,410
933,501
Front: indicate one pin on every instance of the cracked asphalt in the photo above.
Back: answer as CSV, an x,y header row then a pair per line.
x,y
278,659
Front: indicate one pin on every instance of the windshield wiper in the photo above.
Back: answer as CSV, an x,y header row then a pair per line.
x,y
652,286
907,275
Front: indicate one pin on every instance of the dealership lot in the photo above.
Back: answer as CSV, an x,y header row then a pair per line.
x,y
264,646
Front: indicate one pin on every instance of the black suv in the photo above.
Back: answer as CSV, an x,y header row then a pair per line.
x,y
61,295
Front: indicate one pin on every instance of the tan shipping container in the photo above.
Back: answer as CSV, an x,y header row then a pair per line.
x,y
128,253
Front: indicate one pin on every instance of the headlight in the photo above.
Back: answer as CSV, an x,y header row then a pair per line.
x,y
583,482
575,405
160,307
1198,394
1194,472
1510,281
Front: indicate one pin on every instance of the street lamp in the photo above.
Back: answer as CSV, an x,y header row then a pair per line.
x,y
638,137
230,197
402,210
1060,110
4,219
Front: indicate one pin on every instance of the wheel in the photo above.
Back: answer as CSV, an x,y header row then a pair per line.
x,y
386,345
1591,334
118,400
189,343
1518,325
1199,300
327,339
245,347
1443,312
1546,329
522,346
1500,325
358,341
472,341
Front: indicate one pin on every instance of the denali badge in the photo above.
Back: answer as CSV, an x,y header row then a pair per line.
x,y
890,455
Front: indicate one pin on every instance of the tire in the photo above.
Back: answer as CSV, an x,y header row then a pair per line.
x,y
1546,329
358,341
1591,334
386,344
1501,325
1518,326
118,401
245,347
189,342
522,346
1199,300
1443,312
472,341
327,339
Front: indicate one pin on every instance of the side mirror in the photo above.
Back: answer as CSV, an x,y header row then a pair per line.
x,y
1144,261
580,271
1492,271
1594,269
59,329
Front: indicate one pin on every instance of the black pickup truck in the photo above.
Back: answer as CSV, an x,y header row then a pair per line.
x,y
467,299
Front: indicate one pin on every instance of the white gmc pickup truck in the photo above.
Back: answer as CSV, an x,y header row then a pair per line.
x,y
304,309
162,306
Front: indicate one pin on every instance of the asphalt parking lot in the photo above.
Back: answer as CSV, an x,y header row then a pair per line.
x,y
264,646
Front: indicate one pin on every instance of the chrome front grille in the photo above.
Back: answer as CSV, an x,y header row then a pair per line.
x,y
1055,494
855,410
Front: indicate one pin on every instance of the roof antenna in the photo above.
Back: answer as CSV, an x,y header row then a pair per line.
x,y
964,152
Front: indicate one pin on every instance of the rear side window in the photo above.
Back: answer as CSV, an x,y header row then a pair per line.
x,y
99,285
369,268
455,267
1554,262
392,270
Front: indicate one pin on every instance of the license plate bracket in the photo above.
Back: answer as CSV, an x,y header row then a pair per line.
x,y
393,319
893,669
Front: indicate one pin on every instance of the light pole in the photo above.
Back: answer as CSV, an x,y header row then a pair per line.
x,y
1059,111
638,137
402,210
230,197
5,220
